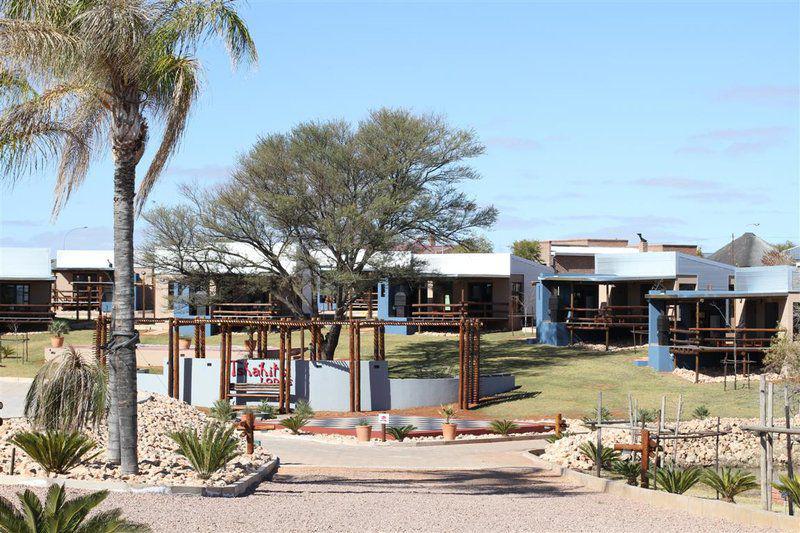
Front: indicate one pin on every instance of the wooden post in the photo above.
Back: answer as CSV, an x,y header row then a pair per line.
x,y
789,465
644,448
559,421
358,367
223,350
176,361
196,339
302,343
203,341
170,359
351,361
768,437
376,354
287,396
476,347
281,369
247,426
369,303
677,430
382,343
228,360
461,369
599,443
762,419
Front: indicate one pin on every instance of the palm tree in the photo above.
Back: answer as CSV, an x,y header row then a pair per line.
x,y
78,75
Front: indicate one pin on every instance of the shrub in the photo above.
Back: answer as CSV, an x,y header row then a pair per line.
x,y
67,393
58,327
295,423
791,487
303,408
783,356
647,415
57,451
608,455
701,412
677,480
6,351
208,452
553,438
363,422
222,410
448,412
729,482
400,432
267,410
591,416
503,427
630,469
58,514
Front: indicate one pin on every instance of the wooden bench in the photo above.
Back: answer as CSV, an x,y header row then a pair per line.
x,y
254,390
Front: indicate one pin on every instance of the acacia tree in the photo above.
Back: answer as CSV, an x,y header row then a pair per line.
x,y
327,202
80,75
527,249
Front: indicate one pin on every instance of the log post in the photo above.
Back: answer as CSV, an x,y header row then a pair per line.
x,y
170,359
281,369
246,426
599,444
376,353
382,343
196,339
762,437
287,396
461,369
358,368
559,421
223,350
351,360
176,360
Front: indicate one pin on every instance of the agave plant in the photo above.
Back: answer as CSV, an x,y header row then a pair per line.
x,y
701,412
208,452
303,408
267,410
58,327
789,486
647,415
630,469
59,515
608,455
67,393
295,423
729,482
678,480
503,427
222,410
591,416
57,451
400,433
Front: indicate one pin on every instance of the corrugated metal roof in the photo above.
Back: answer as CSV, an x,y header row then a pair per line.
x,y
598,278
709,295
25,264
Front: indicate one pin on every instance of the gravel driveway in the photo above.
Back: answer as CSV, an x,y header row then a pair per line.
x,y
324,499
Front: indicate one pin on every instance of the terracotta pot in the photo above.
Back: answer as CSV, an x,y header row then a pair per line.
x,y
184,344
363,433
449,431
56,342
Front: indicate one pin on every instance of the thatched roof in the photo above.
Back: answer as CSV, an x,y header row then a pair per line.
x,y
745,251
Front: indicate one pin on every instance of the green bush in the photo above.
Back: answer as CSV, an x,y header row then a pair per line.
x,y
58,515
503,427
303,408
729,482
448,412
58,327
630,469
677,480
267,410
6,351
67,393
701,412
363,422
57,451
295,423
208,452
223,411
647,415
591,416
400,433
791,487
608,455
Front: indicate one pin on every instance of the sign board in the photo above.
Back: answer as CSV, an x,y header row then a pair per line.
x,y
383,418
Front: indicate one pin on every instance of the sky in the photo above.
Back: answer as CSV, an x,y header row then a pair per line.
x,y
677,119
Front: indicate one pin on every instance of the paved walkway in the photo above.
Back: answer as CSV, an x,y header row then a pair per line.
x,y
12,394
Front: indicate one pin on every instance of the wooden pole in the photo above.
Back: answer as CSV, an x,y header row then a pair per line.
x,y
477,365
223,350
762,418
382,345
768,438
228,360
281,369
287,396
170,359
176,362
461,369
599,443
196,339
789,465
677,430
376,354
247,426
358,368
351,361
645,457
559,421
302,343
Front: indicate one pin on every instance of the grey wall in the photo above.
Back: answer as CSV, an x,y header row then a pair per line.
x,y
710,274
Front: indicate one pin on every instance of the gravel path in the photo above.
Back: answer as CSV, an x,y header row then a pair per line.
x,y
320,499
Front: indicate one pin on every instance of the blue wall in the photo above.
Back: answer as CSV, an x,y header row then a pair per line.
x,y
547,331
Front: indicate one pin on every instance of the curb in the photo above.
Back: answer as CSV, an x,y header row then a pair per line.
x,y
395,444
264,473
690,504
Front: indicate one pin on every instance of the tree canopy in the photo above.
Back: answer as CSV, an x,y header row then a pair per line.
x,y
527,249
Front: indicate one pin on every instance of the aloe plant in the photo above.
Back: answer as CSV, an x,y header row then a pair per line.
x,y
503,427
678,480
208,452
302,407
591,416
56,451
729,482
789,486
267,410
58,327
67,393
400,433
630,469
56,514
222,410
608,455
295,423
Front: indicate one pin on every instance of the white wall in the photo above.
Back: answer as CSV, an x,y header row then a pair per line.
x,y
650,264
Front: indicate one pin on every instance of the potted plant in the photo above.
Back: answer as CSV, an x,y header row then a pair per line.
x,y
58,328
249,343
363,430
448,427
184,343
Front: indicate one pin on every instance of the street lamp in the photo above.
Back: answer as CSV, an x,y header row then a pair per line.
x,y
64,242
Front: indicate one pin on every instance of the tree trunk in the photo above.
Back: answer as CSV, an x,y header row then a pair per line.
x,y
129,132
331,341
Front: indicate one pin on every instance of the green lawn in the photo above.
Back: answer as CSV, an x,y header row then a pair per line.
x,y
551,380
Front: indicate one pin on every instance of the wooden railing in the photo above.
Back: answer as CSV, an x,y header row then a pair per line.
x,y
722,339
622,316
17,313
242,310
485,310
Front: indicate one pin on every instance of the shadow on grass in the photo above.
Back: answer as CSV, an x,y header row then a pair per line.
x,y
511,396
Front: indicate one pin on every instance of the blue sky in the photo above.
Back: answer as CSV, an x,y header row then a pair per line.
x,y
675,119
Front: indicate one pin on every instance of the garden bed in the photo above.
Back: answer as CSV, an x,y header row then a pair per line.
x,y
159,464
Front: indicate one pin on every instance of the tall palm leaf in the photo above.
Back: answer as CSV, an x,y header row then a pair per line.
x,y
78,76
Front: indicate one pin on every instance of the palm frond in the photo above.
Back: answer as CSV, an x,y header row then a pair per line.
x,y
56,451
210,451
40,48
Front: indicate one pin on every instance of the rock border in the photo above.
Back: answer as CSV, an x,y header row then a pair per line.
x,y
690,504
244,485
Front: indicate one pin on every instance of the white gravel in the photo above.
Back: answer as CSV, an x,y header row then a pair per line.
x,y
301,499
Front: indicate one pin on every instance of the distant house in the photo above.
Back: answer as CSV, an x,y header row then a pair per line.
x,y
495,287
746,251
577,255
25,286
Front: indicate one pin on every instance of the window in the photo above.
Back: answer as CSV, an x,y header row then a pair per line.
x,y
16,294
